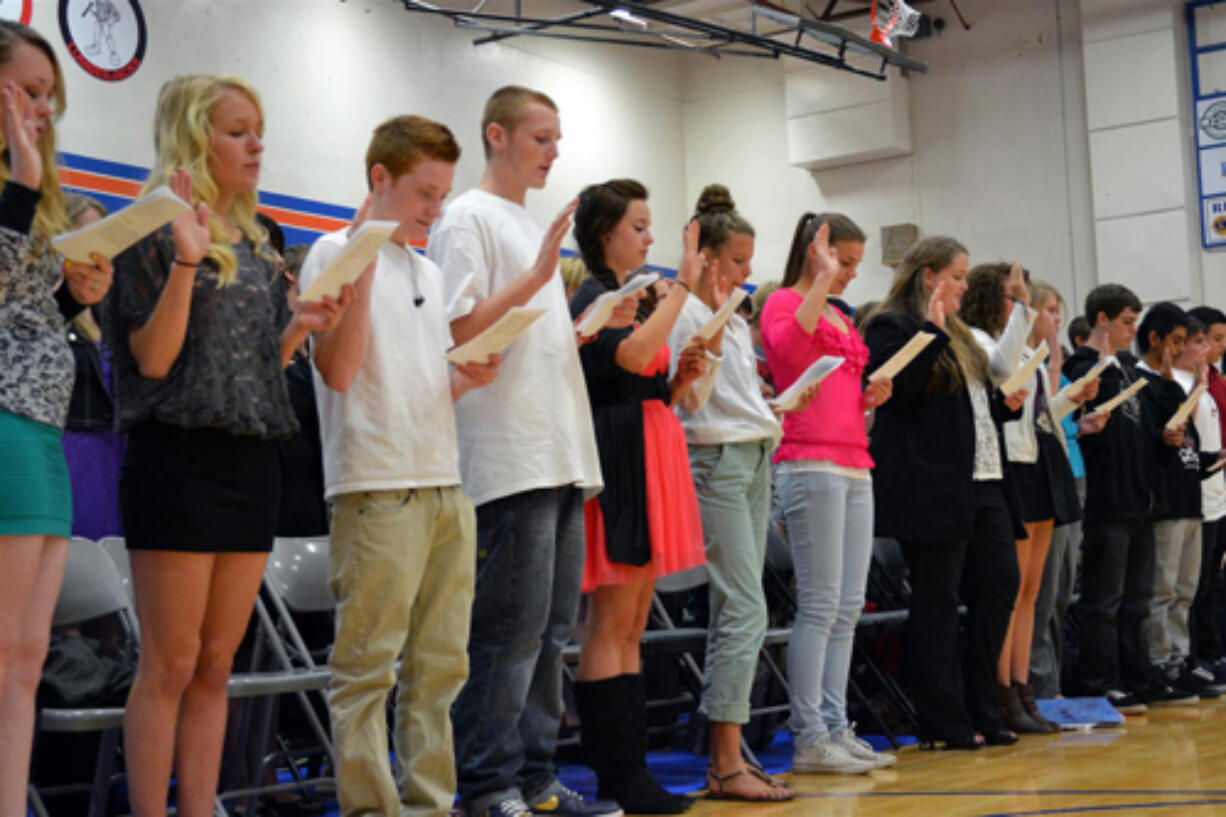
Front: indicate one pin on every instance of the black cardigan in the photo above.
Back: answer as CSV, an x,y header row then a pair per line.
x,y
923,442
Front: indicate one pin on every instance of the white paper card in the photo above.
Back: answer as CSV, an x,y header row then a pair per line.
x,y
496,337
1186,408
1080,383
353,259
816,373
601,310
725,312
1024,375
1110,405
901,358
112,235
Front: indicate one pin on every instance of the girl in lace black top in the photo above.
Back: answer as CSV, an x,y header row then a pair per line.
x,y
36,372
201,333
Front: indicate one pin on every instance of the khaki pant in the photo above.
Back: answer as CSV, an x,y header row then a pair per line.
x,y
402,575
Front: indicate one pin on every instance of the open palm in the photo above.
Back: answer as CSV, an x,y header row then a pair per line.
x,y
191,230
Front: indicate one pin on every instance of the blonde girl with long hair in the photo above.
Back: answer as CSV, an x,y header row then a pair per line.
x,y
201,331
36,374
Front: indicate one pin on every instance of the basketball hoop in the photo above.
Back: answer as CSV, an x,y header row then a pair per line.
x,y
898,19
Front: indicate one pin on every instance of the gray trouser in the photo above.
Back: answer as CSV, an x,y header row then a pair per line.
x,y
830,525
1055,595
733,486
1176,572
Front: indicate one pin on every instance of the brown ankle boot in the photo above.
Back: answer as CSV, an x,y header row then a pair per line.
x,y
1014,715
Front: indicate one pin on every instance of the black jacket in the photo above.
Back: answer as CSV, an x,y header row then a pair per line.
x,y
90,408
923,442
1177,471
1121,459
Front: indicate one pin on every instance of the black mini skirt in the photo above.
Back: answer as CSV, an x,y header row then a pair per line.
x,y
199,490
1046,487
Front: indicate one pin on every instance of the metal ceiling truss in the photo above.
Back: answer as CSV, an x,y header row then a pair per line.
x,y
770,31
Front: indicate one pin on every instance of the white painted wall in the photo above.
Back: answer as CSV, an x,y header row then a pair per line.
x,y
999,127
998,134
330,71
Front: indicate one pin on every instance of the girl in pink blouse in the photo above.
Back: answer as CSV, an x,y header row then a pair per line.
x,y
824,488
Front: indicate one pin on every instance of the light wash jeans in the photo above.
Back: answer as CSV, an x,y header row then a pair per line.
x,y
830,524
733,486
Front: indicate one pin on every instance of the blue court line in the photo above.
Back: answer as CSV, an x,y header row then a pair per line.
x,y
1121,807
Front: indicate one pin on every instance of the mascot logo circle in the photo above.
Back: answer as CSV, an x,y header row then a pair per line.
x,y
105,37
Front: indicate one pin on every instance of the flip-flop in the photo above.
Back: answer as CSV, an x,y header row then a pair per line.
x,y
721,794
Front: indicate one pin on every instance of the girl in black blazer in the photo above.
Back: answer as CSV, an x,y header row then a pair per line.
x,y
942,490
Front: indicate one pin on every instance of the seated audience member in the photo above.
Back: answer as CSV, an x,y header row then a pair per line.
x,y
93,449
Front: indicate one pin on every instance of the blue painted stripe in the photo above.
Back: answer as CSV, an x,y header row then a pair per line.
x,y
88,163
309,206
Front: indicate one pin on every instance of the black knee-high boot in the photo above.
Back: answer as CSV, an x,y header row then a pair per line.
x,y
636,708
608,735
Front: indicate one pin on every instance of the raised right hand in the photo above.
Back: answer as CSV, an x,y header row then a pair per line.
x,y
824,258
21,136
546,264
1015,284
191,230
936,305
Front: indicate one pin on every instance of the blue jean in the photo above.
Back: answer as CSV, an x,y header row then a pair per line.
x,y
530,554
829,520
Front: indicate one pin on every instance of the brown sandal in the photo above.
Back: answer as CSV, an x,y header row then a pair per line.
x,y
779,793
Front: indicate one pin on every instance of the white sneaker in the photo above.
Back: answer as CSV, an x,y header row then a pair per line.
x,y
861,749
828,757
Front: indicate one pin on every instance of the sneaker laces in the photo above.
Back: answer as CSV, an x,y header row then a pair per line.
x,y
513,805
849,735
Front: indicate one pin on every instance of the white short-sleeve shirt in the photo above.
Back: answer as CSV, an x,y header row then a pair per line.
x,y
532,427
394,428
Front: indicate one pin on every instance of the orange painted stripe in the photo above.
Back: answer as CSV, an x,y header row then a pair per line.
x,y
103,184
324,224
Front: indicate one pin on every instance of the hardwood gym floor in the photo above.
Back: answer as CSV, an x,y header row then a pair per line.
x,y
1171,761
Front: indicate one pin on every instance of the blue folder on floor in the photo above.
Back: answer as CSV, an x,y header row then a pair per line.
x,y
1080,713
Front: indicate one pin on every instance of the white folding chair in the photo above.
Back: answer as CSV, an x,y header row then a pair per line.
x,y
92,587
295,581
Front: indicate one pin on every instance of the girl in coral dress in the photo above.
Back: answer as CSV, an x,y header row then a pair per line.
x,y
645,523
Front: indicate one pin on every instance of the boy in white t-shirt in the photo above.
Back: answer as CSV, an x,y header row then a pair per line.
x,y
403,531
528,458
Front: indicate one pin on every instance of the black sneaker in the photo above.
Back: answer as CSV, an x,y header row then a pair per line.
x,y
1199,680
1125,702
1168,695
560,800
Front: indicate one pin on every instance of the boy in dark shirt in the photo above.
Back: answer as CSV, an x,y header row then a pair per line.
x,y
1178,507
1118,548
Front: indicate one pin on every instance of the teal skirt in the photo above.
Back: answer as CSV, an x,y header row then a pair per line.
x,y
35,494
